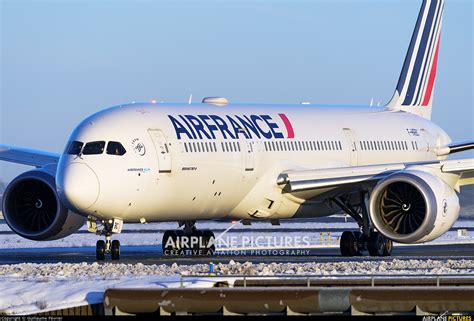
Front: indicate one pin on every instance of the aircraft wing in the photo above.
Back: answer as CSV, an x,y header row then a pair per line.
x,y
26,156
295,181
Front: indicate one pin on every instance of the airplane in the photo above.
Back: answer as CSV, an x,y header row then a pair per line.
x,y
386,167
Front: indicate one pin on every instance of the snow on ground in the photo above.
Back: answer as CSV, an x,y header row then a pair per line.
x,y
32,288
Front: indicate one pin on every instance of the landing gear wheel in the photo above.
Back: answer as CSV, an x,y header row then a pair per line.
x,y
100,250
179,239
349,244
379,245
169,242
115,250
188,241
209,238
198,240
387,250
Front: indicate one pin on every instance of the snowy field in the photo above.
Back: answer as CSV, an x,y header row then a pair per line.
x,y
32,288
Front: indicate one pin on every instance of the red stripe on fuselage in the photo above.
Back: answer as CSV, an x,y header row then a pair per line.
x,y
429,89
289,127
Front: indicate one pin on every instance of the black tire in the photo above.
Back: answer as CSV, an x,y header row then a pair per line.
x,y
379,245
178,238
100,250
348,244
197,246
387,250
166,246
210,245
115,250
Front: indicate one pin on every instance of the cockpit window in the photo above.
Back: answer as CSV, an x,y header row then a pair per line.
x,y
94,148
75,148
115,148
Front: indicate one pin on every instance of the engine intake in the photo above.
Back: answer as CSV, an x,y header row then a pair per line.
x,y
32,209
413,206
402,208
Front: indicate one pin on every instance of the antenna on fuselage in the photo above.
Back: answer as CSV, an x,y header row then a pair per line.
x,y
190,100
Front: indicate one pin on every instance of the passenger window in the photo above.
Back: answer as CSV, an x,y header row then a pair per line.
x,y
75,148
115,148
94,148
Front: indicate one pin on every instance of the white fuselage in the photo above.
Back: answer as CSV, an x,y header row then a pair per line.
x,y
203,175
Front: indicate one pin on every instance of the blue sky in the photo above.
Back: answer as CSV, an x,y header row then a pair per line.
x,y
63,60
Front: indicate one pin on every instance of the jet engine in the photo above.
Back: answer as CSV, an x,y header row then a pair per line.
x,y
32,209
413,206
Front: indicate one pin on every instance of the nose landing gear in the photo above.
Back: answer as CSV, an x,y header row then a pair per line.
x,y
108,246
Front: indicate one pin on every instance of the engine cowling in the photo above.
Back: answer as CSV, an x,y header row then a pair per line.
x,y
32,209
413,206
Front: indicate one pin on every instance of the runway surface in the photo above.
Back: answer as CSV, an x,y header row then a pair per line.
x,y
154,255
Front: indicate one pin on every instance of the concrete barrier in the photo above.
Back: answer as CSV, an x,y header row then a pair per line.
x,y
291,300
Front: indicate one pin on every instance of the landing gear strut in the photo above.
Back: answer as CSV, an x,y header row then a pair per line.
x,y
354,243
108,246
188,241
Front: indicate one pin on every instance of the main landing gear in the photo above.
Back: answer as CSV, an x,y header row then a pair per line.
x,y
354,243
108,246
188,241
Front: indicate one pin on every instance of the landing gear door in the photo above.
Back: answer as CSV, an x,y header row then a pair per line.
x,y
352,144
163,150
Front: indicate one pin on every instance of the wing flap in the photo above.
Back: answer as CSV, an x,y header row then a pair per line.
x,y
462,167
26,156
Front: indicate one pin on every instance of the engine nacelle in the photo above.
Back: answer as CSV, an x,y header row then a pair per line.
x,y
413,206
32,209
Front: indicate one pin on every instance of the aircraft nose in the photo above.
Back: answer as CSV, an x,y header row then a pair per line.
x,y
78,186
